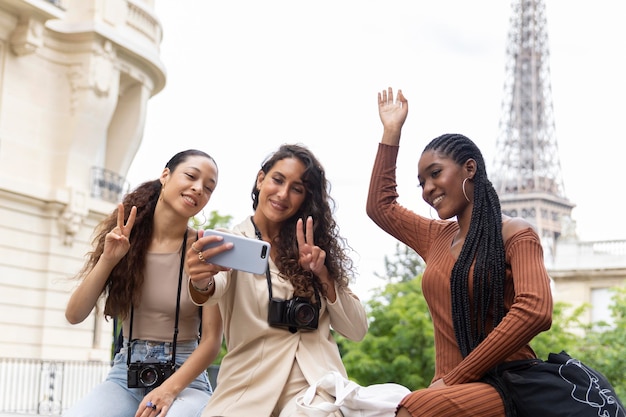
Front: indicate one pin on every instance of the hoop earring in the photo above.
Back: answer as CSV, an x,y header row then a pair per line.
x,y
430,213
204,219
464,193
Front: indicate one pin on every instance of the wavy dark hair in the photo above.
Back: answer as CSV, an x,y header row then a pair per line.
x,y
320,206
123,288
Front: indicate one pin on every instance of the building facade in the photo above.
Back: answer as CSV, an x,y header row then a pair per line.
x,y
75,80
584,273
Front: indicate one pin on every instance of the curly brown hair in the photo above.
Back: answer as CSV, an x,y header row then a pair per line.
x,y
123,287
320,206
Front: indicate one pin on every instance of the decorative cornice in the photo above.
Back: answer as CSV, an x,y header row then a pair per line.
x,y
27,36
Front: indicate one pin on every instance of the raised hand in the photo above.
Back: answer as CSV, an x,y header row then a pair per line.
x,y
392,113
116,242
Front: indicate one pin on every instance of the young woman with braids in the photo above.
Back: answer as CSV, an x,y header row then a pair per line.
x,y
137,264
485,282
272,360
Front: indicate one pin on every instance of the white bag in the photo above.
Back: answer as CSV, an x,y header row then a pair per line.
x,y
353,400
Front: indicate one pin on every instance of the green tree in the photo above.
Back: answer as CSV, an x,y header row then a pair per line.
x,y
405,265
564,334
399,346
599,345
604,346
214,220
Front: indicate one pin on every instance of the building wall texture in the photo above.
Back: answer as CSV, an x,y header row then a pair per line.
x,y
75,80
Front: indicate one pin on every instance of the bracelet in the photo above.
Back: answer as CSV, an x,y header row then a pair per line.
x,y
205,289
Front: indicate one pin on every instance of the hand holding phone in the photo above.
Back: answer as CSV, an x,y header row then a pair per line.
x,y
247,254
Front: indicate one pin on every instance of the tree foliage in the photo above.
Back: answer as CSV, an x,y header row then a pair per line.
x,y
399,346
604,344
214,220
564,333
599,345
405,265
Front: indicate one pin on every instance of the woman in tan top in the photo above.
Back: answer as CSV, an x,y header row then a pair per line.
x,y
485,281
137,265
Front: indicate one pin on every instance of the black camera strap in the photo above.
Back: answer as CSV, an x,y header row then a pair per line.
x,y
259,236
175,337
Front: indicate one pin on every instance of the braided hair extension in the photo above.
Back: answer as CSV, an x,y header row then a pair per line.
x,y
483,247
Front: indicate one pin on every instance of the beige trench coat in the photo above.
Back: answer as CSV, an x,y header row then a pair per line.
x,y
260,358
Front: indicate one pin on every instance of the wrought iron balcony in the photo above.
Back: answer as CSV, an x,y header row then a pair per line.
x,y
108,185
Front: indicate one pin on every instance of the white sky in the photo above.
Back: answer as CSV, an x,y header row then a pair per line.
x,y
246,76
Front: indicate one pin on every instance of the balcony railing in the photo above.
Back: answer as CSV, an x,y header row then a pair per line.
x,y
108,185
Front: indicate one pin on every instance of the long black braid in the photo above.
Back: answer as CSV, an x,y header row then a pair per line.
x,y
483,247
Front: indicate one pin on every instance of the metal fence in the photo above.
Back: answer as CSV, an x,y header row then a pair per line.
x,y
40,387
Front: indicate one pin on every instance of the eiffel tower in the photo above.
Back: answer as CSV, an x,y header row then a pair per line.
x,y
527,166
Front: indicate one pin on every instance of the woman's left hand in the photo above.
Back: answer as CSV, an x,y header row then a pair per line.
x,y
200,271
156,402
312,257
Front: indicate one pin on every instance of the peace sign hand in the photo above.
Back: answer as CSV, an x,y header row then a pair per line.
x,y
116,243
312,257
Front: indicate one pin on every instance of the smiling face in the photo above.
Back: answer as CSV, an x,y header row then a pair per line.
x,y
441,180
189,186
281,190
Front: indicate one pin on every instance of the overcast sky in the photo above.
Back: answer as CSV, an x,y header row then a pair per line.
x,y
247,76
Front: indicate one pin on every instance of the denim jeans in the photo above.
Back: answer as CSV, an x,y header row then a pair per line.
x,y
113,398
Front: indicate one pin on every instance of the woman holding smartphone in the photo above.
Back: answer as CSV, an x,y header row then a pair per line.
x,y
277,323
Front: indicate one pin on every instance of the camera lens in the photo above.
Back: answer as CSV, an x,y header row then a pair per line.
x,y
148,376
303,314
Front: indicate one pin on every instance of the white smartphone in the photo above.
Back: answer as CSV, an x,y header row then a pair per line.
x,y
247,254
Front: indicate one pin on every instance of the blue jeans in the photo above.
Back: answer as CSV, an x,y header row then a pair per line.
x,y
113,398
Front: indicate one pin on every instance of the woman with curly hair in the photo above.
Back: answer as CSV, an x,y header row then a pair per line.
x,y
277,325
137,264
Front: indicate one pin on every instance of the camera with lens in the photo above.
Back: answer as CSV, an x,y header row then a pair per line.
x,y
149,374
296,313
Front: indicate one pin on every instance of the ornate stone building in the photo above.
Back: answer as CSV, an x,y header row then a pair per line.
x,y
75,80
585,273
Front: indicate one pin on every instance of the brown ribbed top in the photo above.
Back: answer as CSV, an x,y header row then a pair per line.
x,y
528,298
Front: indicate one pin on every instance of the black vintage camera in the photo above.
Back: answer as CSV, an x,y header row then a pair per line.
x,y
295,314
149,374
